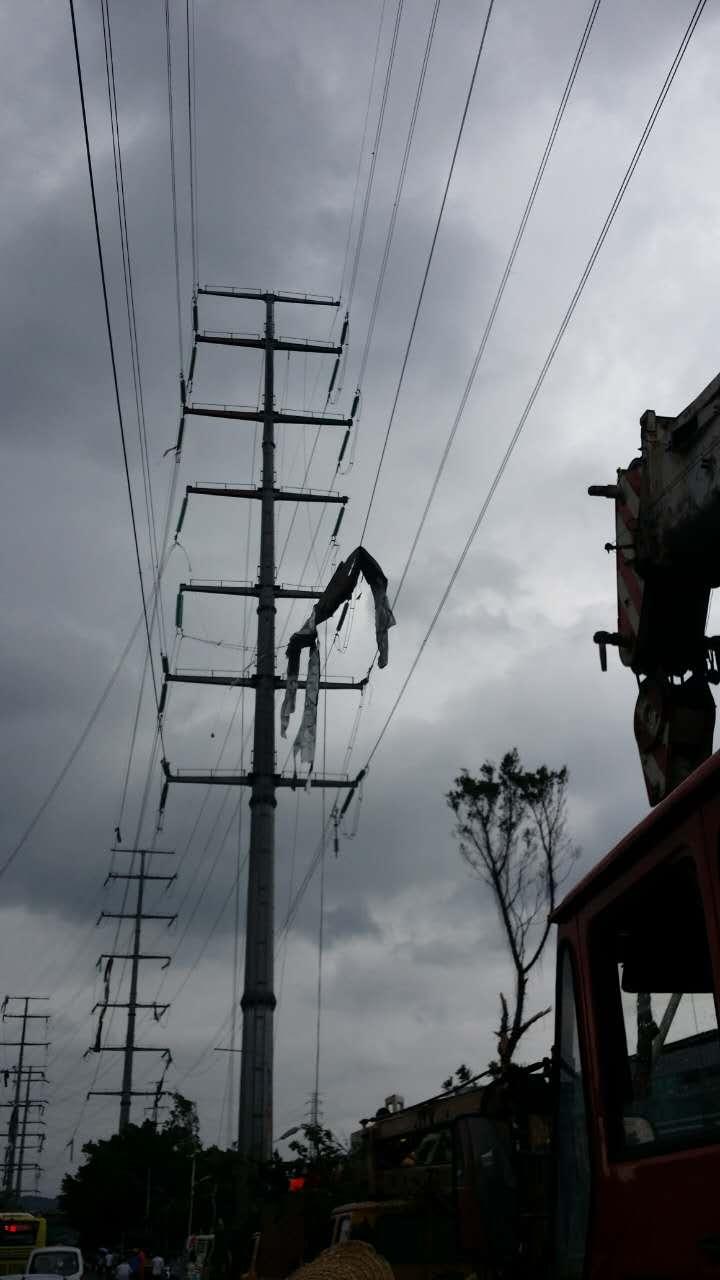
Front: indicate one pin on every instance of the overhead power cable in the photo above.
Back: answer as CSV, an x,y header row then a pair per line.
x,y
134,343
361,225
134,348
74,752
173,185
421,296
627,177
190,49
237,811
160,560
360,236
374,156
111,345
500,291
356,188
428,264
398,193
674,66
223,907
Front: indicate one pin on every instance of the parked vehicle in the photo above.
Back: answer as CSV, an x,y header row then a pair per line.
x,y
20,1233
56,1260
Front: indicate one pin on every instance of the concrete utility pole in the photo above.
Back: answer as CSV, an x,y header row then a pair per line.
x,y
258,1000
126,1092
17,1132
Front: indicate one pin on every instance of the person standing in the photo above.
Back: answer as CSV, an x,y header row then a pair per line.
x,y
122,1271
157,1266
137,1264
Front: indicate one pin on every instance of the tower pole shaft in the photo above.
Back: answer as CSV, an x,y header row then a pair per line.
x,y
258,1000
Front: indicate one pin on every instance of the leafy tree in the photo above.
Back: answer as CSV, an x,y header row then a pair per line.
x,y
317,1151
511,827
183,1122
133,1189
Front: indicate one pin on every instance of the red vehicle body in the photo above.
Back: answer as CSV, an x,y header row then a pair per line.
x,y
637,1129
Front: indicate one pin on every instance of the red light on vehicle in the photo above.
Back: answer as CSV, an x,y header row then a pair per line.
x,y
297,1184
11,1227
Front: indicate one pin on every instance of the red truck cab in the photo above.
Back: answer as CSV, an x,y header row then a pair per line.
x,y
637,1126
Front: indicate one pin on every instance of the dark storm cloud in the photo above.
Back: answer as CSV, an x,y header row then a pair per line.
x,y
412,956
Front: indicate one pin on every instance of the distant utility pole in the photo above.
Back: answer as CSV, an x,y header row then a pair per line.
x,y
313,1109
258,1000
126,1092
17,1135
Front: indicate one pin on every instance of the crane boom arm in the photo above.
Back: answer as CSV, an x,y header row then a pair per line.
x,y
667,550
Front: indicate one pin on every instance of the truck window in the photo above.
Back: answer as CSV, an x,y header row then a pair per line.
x,y
664,1067
573,1162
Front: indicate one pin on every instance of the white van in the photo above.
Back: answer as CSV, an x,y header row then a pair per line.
x,y
58,1260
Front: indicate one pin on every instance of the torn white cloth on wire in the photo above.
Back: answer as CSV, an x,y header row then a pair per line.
x,y
309,630
304,744
339,589
384,620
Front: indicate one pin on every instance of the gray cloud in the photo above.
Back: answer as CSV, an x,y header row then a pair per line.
x,y
413,963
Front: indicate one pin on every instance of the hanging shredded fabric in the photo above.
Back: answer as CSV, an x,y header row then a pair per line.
x,y
339,589
304,744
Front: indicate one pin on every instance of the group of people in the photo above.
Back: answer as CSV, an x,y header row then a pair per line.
x,y
135,1265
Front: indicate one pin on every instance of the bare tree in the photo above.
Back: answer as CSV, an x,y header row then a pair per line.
x,y
511,826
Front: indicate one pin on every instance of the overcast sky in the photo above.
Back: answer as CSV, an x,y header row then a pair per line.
x,y
413,959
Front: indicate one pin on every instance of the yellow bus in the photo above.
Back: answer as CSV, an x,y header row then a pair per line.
x,y
20,1233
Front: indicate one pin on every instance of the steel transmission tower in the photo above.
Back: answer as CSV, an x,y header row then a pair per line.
x,y
258,1000
126,1093
18,1135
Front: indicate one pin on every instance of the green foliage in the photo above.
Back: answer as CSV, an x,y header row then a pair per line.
x,y
183,1122
133,1189
318,1150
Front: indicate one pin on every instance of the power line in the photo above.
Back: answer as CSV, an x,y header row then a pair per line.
x,y
513,442
76,749
190,25
500,290
98,1071
361,226
398,193
130,302
424,280
675,64
162,561
173,185
374,155
74,752
431,254
362,152
111,344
